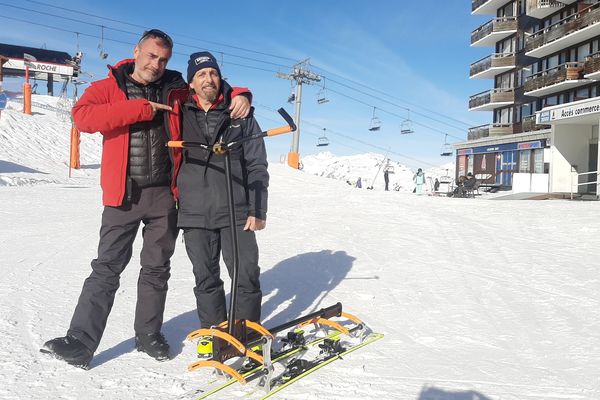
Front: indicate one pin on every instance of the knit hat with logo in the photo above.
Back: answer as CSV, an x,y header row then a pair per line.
x,y
201,60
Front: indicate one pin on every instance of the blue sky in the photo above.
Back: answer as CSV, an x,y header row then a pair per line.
x,y
391,55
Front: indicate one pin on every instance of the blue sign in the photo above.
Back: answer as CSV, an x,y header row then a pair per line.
x,y
3,100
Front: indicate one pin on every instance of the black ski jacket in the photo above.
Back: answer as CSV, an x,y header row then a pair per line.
x,y
201,178
149,161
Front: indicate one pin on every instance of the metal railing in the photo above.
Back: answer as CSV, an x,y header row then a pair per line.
x,y
500,24
493,61
564,27
533,5
530,125
478,132
584,183
567,71
497,95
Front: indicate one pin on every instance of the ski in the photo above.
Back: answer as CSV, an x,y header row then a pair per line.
x,y
275,357
300,368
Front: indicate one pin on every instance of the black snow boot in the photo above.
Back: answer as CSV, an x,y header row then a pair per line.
x,y
153,344
69,349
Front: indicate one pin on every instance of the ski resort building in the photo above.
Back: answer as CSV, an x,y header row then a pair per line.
x,y
545,97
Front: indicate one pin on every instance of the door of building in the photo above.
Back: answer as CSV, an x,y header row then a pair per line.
x,y
593,166
508,166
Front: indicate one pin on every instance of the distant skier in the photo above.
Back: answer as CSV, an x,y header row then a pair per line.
x,y
436,185
419,179
386,178
359,183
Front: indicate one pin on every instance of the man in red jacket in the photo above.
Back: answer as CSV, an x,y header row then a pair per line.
x,y
129,108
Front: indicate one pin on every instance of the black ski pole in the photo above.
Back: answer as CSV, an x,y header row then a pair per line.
x,y
234,244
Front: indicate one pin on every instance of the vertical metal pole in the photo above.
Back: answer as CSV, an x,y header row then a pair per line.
x,y
50,84
598,168
296,137
234,243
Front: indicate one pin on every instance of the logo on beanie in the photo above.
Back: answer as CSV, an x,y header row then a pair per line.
x,y
202,60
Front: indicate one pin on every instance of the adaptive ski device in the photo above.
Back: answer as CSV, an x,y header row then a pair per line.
x,y
245,350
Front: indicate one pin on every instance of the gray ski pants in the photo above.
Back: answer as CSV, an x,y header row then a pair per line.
x,y
155,208
204,247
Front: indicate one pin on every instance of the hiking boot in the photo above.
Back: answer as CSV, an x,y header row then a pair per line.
x,y
69,349
153,344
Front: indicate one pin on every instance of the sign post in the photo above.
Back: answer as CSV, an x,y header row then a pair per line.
x,y
26,86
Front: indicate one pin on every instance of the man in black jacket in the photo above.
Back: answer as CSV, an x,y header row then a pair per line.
x,y
203,209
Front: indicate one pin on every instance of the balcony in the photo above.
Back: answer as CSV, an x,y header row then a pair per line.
x,y
567,32
493,65
501,129
493,31
565,76
542,8
479,132
492,99
529,124
591,68
486,7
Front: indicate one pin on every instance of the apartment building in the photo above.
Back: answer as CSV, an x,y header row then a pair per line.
x,y
545,97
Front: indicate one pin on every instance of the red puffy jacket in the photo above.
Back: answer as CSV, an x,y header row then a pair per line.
x,y
104,108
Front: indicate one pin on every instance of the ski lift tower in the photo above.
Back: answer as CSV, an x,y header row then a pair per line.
x,y
301,74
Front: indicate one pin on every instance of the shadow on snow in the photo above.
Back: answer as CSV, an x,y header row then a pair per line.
x,y
294,287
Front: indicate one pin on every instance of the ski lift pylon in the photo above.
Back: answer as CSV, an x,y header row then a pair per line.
x,y
375,122
323,140
406,125
446,150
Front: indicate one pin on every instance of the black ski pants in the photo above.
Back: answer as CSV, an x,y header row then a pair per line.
x,y
155,208
204,247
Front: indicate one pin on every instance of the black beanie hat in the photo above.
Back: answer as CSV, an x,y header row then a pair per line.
x,y
200,60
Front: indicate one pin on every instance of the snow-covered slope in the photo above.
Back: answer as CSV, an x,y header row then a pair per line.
x,y
478,299
35,148
369,167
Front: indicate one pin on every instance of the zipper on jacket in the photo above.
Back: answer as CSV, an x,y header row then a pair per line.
x,y
149,138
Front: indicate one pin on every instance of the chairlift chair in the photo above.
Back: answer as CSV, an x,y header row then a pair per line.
x,y
375,122
323,140
321,99
322,95
446,150
406,126
103,54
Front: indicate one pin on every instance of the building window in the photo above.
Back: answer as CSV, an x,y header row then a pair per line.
x,y
550,101
538,161
581,94
524,157
470,163
503,115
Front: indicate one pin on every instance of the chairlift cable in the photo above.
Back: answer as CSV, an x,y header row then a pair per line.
x,y
233,55
238,48
145,28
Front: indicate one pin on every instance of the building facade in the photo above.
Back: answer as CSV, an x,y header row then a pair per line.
x,y
544,65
